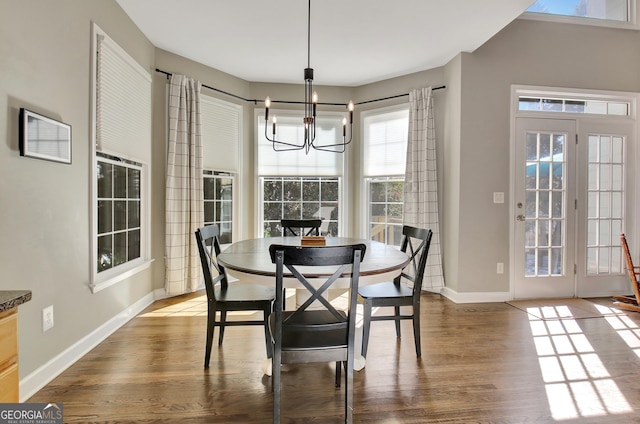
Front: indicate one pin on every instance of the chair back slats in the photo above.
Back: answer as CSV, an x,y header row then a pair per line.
x,y
316,294
300,227
209,248
416,243
347,258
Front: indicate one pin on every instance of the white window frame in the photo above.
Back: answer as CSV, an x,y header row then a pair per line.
x,y
342,176
365,201
101,280
208,173
632,23
224,148
325,222
632,158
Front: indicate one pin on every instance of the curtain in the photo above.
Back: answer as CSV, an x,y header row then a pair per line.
x,y
420,184
183,195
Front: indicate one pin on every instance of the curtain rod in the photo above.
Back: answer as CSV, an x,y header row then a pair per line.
x,y
255,101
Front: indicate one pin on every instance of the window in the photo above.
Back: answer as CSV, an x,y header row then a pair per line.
x,y
221,135
561,105
587,11
296,185
119,203
384,150
121,154
300,198
218,203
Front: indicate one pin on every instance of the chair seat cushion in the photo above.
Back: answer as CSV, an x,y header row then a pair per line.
x,y
386,289
311,330
245,292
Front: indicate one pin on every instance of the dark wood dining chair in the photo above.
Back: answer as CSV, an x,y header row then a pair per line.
x,y
630,302
300,227
322,334
397,293
226,297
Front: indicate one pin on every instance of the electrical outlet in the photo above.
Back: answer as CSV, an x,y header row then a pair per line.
x,y
47,318
498,197
500,268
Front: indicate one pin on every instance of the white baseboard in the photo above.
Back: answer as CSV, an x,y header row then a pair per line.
x,y
476,297
47,372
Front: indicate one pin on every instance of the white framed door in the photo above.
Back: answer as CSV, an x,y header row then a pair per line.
x,y
545,214
606,203
574,191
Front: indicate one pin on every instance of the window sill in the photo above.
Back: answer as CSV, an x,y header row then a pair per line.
x,y
101,285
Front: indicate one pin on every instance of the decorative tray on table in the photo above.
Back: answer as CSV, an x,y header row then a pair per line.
x,y
313,241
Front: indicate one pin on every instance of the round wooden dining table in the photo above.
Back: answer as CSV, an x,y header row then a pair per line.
x,y
250,260
381,262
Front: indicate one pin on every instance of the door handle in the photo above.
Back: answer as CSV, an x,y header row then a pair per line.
x,y
520,218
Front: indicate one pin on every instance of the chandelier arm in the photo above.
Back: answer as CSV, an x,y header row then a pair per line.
x,y
283,143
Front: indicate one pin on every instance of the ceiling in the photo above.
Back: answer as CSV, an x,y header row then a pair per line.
x,y
353,42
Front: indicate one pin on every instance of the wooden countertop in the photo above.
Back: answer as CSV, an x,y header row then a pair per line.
x,y
9,299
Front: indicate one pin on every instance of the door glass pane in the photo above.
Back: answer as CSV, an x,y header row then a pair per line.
x,y
592,232
616,149
556,261
605,204
532,146
545,202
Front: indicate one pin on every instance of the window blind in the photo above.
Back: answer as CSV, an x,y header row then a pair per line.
x,y
221,132
296,162
123,103
385,142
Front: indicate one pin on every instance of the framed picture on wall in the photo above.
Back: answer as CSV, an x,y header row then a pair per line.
x,y
44,138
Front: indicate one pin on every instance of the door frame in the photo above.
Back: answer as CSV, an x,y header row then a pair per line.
x,y
556,285
633,158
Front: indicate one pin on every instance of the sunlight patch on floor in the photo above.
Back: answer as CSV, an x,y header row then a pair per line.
x,y
628,331
577,383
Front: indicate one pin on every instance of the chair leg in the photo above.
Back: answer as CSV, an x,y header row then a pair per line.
x,y
223,321
397,309
366,326
211,317
267,334
275,385
416,329
338,373
348,390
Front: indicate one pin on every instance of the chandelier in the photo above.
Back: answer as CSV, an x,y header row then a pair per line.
x,y
310,113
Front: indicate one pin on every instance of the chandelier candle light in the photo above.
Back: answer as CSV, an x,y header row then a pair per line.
x,y
310,113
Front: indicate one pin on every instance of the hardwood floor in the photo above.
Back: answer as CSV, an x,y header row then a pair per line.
x,y
481,363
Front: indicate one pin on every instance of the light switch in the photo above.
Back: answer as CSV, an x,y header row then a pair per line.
x,y
498,197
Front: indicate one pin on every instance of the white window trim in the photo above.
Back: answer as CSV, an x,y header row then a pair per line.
x,y
102,280
343,180
518,91
364,185
235,202
546,17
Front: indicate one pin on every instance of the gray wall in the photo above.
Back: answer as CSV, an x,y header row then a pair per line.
x,y
529,53
45,56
